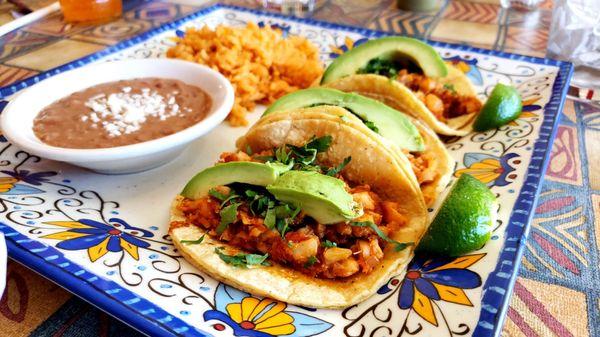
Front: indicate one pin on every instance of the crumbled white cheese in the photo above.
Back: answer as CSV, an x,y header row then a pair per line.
x,y
124,112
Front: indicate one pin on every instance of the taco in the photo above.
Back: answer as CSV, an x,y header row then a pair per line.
x,y
307,211
430,161
409,75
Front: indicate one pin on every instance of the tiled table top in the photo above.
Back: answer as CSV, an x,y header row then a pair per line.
x,y
556,294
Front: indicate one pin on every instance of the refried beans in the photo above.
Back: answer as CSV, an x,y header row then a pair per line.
x,y
121,113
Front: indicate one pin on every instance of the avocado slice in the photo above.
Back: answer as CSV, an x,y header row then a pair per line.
x,y
391,124
233,172
427,58
322,197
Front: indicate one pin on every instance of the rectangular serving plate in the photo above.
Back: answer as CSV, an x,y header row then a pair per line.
x,y
520,153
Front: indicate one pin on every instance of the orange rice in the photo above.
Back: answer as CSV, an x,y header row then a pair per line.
x,y
261,64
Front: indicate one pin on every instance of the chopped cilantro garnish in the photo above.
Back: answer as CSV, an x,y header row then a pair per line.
x,y
249,150
270,218
228,216
282,155
282,227
450,87
320,144
216,194
311,262
380,66
242,260
398,245
328,244
302,157
335,170
231,197
371,126
193,242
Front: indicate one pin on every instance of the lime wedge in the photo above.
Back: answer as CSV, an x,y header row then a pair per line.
x,y
465,220
503,106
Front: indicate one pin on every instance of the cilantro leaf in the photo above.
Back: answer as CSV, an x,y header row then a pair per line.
x,y
216,194
450,87
282,155
242,260
328,244
371,126
311,262
282,227
270,218
228,216
256,259
193,242
398,245
320,144
335,170
380,66
231,196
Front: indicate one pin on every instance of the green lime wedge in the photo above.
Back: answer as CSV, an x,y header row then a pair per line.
x,y
503,106
465,220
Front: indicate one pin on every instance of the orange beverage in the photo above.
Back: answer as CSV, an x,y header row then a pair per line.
x,y
91,11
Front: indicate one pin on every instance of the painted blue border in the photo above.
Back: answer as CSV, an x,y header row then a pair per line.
x,y
499,285
497,289
108,296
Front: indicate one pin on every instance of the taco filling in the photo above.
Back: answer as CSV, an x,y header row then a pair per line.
x,y
440,98
270,227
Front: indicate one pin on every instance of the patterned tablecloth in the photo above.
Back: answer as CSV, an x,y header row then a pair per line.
x,y
557,293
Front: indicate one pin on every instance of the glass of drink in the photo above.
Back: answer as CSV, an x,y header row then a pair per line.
x,y
575,36
520,4
91,11
299,8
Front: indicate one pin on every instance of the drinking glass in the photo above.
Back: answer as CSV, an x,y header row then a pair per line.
x,y
520,4
91,11
575,37
300,8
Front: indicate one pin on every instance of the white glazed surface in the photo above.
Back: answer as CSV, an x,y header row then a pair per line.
x,y
17,119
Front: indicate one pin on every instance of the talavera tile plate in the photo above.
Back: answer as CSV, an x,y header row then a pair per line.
x,y
105,237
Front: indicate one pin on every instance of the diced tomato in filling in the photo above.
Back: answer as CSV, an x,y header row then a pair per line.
x,y
443,101
358,249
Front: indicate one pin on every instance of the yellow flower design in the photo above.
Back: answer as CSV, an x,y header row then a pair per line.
x,y
488,169
485,171
7,183
264,315
99,238
248,316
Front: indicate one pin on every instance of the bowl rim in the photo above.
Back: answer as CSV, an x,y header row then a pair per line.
x,y
37,147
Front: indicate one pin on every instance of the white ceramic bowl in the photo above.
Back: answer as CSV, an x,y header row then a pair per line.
x,y
17,118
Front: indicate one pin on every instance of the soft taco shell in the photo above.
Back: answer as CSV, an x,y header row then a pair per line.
x,y
372,164
400,97
434,148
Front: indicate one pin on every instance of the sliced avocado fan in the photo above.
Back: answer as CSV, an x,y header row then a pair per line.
x,y
322,197
233,172
388,122
387,48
